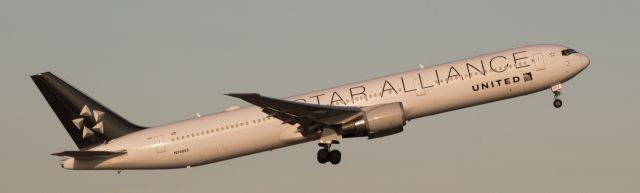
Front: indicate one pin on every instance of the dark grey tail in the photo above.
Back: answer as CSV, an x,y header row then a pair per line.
x,y
87,121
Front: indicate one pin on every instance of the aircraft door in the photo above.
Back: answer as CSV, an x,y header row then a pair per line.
x,y
210,151
418,86
538,60
159,143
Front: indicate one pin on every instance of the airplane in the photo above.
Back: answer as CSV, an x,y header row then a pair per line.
x,y
371,108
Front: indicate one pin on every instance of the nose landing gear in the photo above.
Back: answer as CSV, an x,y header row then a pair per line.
x,y
557,103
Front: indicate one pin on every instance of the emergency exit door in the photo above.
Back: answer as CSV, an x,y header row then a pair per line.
x,y
159,143
538,60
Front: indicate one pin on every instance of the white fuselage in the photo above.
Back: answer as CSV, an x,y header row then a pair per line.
x,y
426,91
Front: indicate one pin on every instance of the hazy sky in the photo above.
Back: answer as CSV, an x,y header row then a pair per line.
x,y
156,62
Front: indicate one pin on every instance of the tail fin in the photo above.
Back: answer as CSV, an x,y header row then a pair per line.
x,y
87,121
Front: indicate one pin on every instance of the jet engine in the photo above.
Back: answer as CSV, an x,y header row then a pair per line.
x,y
376,121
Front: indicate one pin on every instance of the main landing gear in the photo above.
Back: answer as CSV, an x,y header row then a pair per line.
x,y
326,155
556,94
329,137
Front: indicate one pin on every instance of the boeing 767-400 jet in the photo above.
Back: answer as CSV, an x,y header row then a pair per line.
x,y
372,108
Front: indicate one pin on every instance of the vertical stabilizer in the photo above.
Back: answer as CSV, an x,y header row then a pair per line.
x,y
88,122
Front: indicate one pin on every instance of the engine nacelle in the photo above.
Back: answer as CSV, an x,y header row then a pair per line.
x,y
376,121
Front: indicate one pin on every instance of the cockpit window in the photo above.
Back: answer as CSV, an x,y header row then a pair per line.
x,y
568,52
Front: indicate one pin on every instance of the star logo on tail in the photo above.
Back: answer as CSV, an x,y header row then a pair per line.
x,y
86,117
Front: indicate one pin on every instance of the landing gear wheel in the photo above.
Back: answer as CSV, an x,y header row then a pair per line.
x,y
334,157
556,94
323,155
557,103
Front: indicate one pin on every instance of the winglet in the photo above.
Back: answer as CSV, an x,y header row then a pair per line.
x,y
243,95
252,98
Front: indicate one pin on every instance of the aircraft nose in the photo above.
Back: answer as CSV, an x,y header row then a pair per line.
x,y
584,61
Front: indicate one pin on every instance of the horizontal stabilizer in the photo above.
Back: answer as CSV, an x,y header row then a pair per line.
x,y
87,155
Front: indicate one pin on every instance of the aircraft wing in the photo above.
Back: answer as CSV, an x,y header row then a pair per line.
x,y
309,116
89,155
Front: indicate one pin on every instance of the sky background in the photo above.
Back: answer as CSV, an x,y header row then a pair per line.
x,y
157,61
